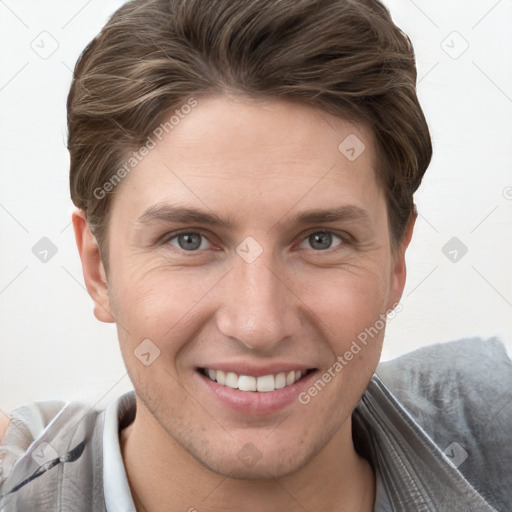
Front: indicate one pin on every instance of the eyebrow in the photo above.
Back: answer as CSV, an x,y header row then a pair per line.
x,y
350,213
174,214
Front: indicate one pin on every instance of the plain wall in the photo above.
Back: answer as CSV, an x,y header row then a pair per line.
x,y
52,346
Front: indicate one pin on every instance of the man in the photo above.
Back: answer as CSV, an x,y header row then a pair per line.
x,y
244,175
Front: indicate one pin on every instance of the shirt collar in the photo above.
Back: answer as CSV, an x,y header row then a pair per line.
x,y
116,489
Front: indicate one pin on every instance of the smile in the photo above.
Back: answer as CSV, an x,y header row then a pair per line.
x,y
262,384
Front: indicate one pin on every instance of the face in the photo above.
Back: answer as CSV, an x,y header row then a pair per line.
x,y
246,250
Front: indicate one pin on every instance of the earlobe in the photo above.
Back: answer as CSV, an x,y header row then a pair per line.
x,y
92,266
399,271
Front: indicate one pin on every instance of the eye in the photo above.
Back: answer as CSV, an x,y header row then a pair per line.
x,y
190,241
321,240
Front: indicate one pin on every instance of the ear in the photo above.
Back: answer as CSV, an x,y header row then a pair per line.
x,y
92,266
398,268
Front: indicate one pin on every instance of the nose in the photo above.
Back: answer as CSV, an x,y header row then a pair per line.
x,y
258,309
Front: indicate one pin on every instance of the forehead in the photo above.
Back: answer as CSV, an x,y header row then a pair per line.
x,y
235,151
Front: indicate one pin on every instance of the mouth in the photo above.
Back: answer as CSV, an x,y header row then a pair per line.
x,y
255,392
257,384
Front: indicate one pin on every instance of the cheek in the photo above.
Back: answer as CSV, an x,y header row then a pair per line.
x,y
350,309
155,316
347,301
159,304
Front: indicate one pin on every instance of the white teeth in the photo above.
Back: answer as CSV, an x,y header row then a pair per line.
x,y
221,377
246,383
280,380
232,380
263,384
266,383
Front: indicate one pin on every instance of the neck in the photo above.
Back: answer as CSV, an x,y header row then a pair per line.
x,y
337,479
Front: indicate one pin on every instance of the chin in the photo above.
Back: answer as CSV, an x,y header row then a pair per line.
x,y
261,470
249,463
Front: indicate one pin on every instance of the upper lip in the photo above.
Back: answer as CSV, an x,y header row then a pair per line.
x,y
257,371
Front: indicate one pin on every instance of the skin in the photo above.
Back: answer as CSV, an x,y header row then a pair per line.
x,y
258,165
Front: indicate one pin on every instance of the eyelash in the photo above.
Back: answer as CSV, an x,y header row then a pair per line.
x,y
344,237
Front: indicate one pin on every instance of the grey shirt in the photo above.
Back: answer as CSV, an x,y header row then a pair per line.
x,y
453,398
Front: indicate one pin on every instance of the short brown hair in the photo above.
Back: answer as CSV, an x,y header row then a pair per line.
x,y
345,57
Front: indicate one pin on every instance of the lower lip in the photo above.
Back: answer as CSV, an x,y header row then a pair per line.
x,y
254,402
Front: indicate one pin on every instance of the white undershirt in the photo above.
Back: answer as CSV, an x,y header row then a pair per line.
x,y
117,492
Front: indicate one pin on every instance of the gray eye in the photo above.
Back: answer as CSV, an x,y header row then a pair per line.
x,y
320,240
189,241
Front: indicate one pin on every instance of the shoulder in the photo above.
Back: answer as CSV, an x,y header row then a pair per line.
x,y
43,435
460,394
21,428
446,375
39,424
29,420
